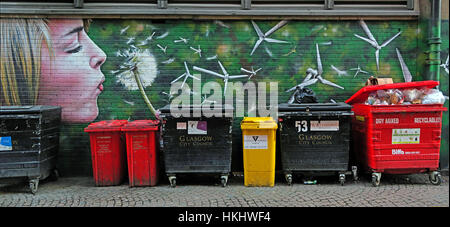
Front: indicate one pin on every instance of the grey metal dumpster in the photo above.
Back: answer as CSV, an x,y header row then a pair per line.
x,y
29,142
197,144
315,139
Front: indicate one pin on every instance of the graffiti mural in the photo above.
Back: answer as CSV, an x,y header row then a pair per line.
x,y
36,68
124,69
288,52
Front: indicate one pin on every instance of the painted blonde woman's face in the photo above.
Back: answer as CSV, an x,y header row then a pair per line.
x,y
73,79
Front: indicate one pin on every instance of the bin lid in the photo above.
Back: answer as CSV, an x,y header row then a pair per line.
x,y
363,93
108,125
295,107
258,123
141,125
30,109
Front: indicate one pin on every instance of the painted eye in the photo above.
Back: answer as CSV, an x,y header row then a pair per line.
x,y
75,50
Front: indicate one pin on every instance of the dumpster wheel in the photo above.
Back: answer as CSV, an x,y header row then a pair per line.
x,y
224,180
342,179
173,181
376,177
33,184
54,175
355,173
435,178
288,177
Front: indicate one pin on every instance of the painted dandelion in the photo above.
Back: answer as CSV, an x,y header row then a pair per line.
x,y
137,72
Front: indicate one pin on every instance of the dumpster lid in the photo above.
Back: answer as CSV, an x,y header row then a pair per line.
x,y
108,125
225,107
31,109
363,93
141,125
258,123
340,106
257,120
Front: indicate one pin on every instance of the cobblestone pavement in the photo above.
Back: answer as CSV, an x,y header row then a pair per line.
x,y
394,191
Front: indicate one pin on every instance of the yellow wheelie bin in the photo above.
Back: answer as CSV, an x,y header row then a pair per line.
x,y
258,140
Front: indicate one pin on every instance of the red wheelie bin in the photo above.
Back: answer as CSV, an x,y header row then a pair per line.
x,y
397,139
108,152
142,138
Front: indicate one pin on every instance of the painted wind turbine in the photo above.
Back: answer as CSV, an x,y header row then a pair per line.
x,y
225,76
445,66
130,40
220,23
181,40
340,72
186,75
358,70
252,72
146,40
163,35
169,96
202,97
212,57
372,41
264,37
197,51
124,29
315,75
205,100
405,70
163,49
168,61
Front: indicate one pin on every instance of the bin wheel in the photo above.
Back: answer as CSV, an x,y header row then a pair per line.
x,y
289,179
355,173
342,179
435,178
223,180
33,184
54,175
173,181
376,179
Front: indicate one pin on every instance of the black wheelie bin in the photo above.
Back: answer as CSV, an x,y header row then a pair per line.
x,y
29,143
200,144
315,139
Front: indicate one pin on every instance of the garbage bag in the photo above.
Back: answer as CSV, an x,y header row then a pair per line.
x,y
433,96
412,95
303,95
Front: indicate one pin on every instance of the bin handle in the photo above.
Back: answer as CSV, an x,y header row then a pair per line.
x,y
376,136
52,136
437,135
359,127
15,107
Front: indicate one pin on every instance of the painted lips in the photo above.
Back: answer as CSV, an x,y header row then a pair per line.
x,y
100,87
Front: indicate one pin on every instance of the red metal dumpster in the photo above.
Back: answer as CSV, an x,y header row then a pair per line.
x,y
142,138
108,152
397,139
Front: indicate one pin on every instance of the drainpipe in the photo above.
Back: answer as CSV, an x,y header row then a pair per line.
x,y
434,41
